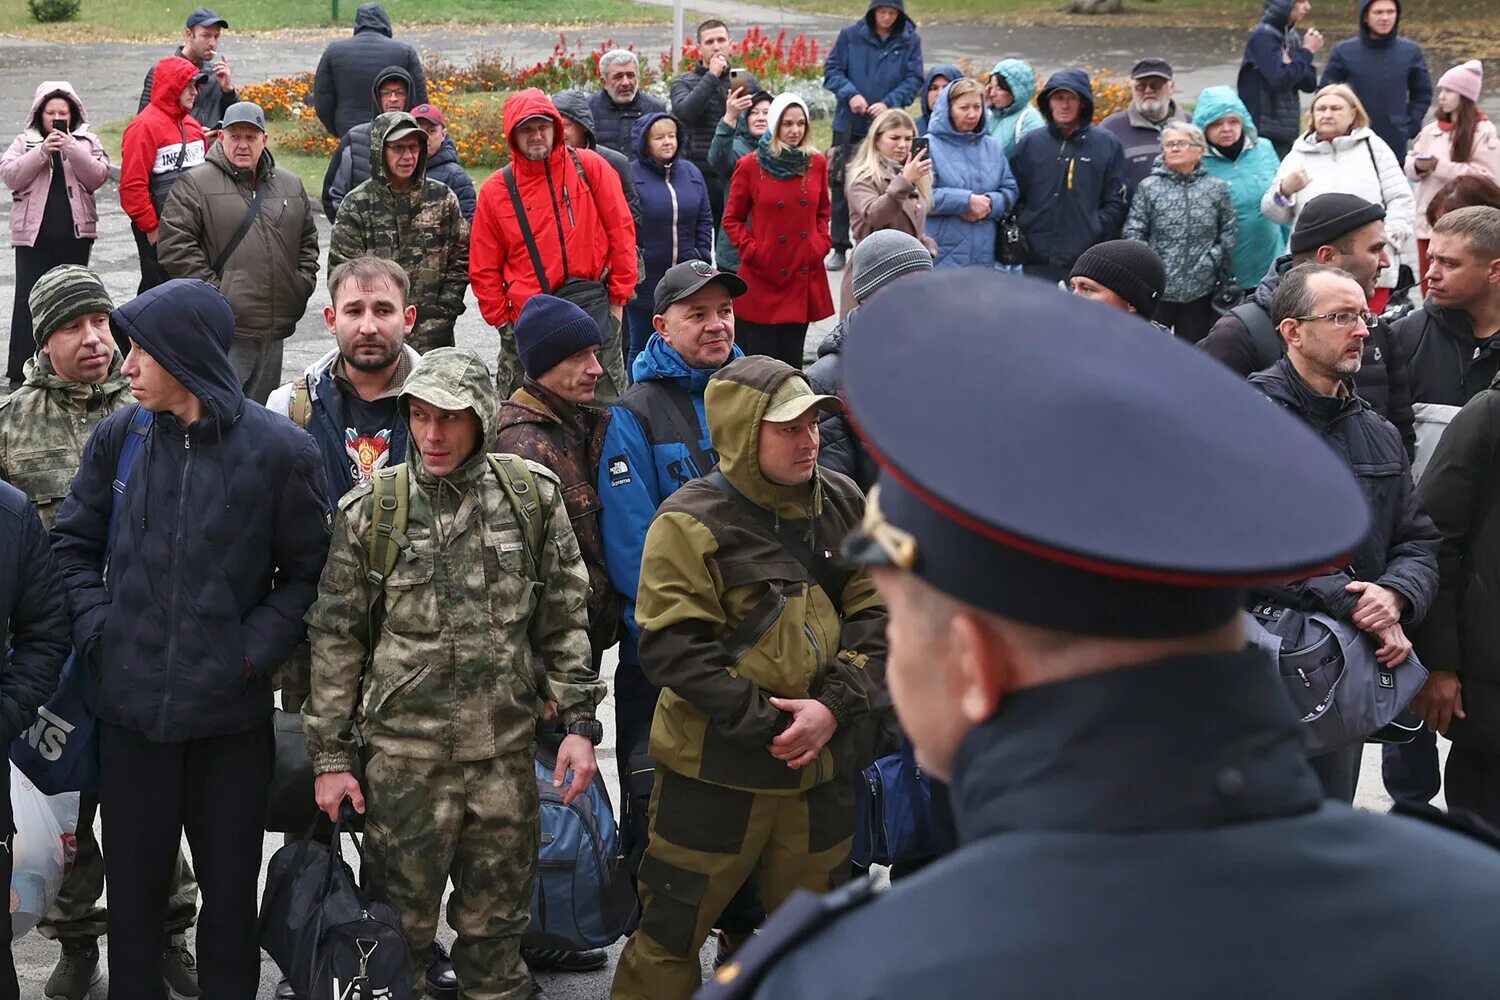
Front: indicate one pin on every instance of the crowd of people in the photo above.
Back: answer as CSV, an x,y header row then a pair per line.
x,y
651,269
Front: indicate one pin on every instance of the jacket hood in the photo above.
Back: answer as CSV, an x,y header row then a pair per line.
x,y
941,125
834,342
187,327
947,71
1215,103
391,73
220,159
167,81
1308,142
574,104
658,361
48,89
1075,80
1369,37
1272,281
735,404
372,17
447,153
381,127
1277,11
902,22
453,379
528,103
1021,78
642,127
41,375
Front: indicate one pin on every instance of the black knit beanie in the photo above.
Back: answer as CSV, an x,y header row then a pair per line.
x,y
1129,268
550,330
1330,217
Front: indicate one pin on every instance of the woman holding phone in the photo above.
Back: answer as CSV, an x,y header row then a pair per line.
x,y
888,186
1459,141
972,186
54,167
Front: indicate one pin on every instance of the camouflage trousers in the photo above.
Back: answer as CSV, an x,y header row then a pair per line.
x,y
706,841
431,333
509,376
476,822
76,914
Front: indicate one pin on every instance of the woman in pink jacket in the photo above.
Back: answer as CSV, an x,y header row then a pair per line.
x,y
1459,140
54,167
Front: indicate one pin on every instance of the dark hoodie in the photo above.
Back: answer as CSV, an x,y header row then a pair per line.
x,y
574,104
1389,75
883,70
1073,188
349,166
1268,84
222,535
947,71
674,201
444,166
348,68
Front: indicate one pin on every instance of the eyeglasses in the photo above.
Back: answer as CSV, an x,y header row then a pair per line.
x,y
1179,144
1342,319
398,92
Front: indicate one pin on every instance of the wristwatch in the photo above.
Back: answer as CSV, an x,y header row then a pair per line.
x,y
590,729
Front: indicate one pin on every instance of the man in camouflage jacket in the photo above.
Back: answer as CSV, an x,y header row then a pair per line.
x,y
405,216
472,640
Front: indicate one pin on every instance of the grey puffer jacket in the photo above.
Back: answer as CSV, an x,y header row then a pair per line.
x,y
1189,220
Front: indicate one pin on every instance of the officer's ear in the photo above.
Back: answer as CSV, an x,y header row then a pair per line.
x,y
985,665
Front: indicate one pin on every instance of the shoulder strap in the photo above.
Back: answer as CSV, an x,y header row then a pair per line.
x,y
300,407
578,167
680,413
1369,148
526,501
130,450
1263,335
526,234
182,150
244,230
392,499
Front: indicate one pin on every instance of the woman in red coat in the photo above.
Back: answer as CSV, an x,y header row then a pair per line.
x,y
777,217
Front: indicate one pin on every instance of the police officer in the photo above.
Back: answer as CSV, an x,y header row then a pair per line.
x,y
483,621
1135,810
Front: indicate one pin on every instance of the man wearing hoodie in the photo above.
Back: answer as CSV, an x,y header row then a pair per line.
x,y
1073,179
348,68
1387,71
72,383
1277,65
442,158
405,216
769,651
222,531
267,272
159,145
578,131
1008,93
875,64
350,164
699,98
483,622
200,46
1138,127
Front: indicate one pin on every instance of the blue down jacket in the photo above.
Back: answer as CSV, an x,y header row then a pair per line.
x,y
1389,74
1268,84
884,70
678,223
965,163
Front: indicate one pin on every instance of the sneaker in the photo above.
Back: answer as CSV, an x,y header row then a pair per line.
x,y
835,260
179,970
442,983
77,970
728,944
564,960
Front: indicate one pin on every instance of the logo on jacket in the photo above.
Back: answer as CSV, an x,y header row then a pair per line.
x,y
1375,354
619,471
368,454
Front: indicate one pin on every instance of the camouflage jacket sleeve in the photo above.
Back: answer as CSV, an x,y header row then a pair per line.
x,y
450,301
350,237
338,626
559,625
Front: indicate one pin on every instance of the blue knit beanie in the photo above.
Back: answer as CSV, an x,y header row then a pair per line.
x,y
551,329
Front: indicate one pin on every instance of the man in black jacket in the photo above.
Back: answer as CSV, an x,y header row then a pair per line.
x,y
1388,584
200,46
1343,231
619,103
223,526
699,97
349,167
347,70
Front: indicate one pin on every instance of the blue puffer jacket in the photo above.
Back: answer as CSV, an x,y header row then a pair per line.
x,y
948,72
965,163
642,466
1268,84
1248,175
1389,74
444,166
885,70
1020,116
222,538
1072,188
677,221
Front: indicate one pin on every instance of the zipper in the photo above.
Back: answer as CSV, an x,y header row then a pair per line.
x,y
672,192
817,648
182,495
562,237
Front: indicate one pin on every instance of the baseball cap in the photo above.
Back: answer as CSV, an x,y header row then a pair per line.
x,y
203,16
683,280
1151,67
244,113
795,397
428,112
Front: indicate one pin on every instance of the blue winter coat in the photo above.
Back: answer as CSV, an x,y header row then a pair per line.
x,y
1013,121
1072,188
677,222
1248,175
948,72
1389,75
33,612
965,163
444,166
1267,84
885,70
223,532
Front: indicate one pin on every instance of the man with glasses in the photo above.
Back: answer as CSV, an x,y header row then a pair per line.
x,y
1138,127
1390,580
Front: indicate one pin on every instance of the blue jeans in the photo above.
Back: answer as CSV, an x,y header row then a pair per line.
x,y
638,317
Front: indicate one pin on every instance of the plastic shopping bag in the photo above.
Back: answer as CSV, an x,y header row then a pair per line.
x,y
42,851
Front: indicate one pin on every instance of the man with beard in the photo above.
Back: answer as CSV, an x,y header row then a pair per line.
x,y
1138,127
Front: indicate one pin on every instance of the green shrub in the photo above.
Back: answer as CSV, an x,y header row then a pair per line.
x,y
47,11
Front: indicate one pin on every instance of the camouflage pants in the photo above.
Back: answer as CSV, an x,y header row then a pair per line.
x,y
473,821
76,914
509,376
431,333
706,840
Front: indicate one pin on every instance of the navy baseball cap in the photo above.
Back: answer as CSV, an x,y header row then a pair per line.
x,y
203,16
1062,464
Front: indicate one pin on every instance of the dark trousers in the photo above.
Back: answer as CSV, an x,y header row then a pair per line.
x,y
1189,320
152,273
716,186
839,225
9,988
783,341
638,317
31,264
1410,770
1473,782
1339,771
149,793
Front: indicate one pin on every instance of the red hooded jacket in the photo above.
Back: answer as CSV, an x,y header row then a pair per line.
x,y
154,139
591,220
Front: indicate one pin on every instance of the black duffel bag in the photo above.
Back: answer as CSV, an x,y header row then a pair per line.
x,y
291,806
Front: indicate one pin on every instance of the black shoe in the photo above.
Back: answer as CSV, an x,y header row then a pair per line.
x,y
442,984
728,943
284,990
563,960
536,991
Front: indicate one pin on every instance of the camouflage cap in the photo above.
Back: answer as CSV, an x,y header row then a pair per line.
x,y
64,293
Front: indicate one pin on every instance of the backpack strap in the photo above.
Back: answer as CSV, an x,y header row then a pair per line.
x,y
392,503
300,407
130,450
1263,336
525,499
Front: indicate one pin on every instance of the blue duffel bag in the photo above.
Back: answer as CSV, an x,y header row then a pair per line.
x,y
899,815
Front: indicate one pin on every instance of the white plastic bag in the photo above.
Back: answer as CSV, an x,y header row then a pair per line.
x,y
43,849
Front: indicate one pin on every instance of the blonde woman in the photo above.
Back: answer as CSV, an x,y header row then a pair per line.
x,y
887,188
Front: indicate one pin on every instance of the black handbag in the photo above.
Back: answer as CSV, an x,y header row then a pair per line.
x,y
290,805
1010,243
839,155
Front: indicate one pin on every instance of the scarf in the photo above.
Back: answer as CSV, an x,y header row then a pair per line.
x,y
789,163
1233,150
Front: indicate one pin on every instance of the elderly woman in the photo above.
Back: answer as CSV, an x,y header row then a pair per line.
x,y
1188,218
1239,157
1340,153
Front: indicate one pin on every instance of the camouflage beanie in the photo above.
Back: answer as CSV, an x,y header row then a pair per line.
x,y
64,293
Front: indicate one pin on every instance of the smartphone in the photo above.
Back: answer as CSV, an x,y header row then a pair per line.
x,y
739,79
59,124
918,145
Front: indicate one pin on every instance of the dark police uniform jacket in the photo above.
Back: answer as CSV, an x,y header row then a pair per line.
x,y
1156,832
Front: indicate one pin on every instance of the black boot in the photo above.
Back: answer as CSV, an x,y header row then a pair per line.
x,y
442,984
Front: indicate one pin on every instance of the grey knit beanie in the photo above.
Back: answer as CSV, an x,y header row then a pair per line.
x,y
882,257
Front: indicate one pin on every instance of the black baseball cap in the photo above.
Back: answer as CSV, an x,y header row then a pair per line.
x,y
203,16
683,280
1151,67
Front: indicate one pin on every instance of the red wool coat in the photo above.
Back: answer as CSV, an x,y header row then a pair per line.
x,y
781,230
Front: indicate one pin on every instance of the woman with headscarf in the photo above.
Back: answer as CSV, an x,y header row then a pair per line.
x,y
1008,93
777,216
1239,157
735,137
887,188
972,186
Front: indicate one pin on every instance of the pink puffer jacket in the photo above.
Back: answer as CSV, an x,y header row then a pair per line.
x,y
26,168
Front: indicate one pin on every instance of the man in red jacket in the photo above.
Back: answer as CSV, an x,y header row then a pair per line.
x,y
159,144
582,235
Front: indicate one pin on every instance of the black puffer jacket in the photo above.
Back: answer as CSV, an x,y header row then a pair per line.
x,y
35,610
1447,364
349,167
221,540
839,448
1402,547
698,100
1382,380
347,70
615,122
574,104
444,166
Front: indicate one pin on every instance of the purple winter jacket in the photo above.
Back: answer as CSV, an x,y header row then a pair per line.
x,y
26,168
